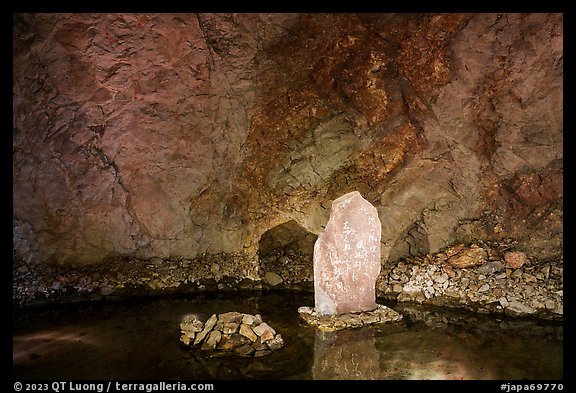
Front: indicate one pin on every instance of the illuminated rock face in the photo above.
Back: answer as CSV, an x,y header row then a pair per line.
x,y
168,135
347,257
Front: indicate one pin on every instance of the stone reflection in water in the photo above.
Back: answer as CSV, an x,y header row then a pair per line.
x,y
139,340
451,344
346,354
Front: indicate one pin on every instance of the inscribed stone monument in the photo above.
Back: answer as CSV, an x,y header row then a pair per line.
x,y
347,258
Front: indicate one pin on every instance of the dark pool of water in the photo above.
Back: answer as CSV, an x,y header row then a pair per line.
x,y
140,340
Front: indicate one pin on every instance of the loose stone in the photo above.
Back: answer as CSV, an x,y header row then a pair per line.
x,y
515,259
381,314
210,323
228,334
246,331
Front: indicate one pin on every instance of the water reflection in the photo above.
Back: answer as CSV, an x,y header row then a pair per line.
x,y
386,352
428,354
346,354
445,344
28,345
141,341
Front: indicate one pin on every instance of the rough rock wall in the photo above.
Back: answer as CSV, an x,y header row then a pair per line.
x,y
175,135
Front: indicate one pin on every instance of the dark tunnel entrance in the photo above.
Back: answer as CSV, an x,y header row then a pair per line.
x,y
286,257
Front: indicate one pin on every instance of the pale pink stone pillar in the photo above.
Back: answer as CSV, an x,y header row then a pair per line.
x,y
347,257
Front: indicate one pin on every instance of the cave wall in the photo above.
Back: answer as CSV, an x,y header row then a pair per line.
x,y
178,135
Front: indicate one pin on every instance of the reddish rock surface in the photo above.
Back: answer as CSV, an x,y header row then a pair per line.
x,y
515,259
468,257
181,135
347,258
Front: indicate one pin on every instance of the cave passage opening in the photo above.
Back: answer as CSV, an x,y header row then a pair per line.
x,y
286,254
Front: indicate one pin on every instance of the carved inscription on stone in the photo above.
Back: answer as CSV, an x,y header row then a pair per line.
x,y
347,257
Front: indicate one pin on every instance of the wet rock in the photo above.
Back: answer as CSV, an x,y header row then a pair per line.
x,y
227,334
381,314
275,343
212,340
245,350
273,278
229,327
187,339
250,320
262,352
210,323
105,291
233,316
191,324
264,331
246,331
259,345
517,308
232,341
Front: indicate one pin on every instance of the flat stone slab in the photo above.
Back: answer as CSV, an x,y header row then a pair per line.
x,y
330,323
347,257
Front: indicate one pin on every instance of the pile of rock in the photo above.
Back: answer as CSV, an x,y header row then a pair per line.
x,y
483,277
329,323
231,333
480,279
117,278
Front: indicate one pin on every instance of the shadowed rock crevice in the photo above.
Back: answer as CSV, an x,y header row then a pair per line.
x,y
413,242
286,253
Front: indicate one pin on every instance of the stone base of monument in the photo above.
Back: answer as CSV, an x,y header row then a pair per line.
x,y
330,323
